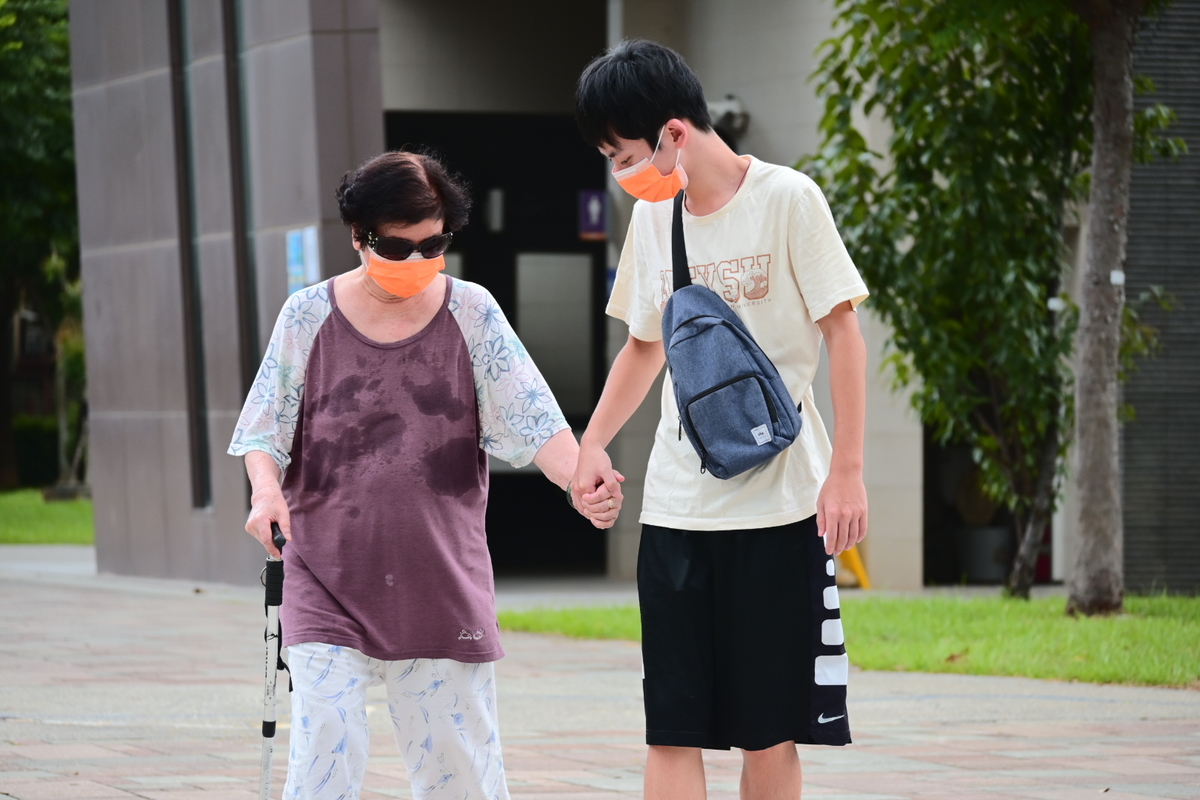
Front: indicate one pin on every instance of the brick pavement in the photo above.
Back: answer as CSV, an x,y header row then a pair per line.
x,y
126,688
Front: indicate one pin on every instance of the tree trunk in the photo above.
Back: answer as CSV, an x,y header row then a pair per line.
x,y
1025,564
62,412
77,479
9,478
1097,585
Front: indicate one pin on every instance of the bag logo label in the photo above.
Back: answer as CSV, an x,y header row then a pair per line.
x,y
761,435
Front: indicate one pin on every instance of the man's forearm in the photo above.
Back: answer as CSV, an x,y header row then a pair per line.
x,y
632,374
847,388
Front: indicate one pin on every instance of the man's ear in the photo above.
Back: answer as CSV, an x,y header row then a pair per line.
x,y
677,131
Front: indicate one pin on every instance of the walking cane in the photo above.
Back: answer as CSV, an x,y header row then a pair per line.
x,y
272,579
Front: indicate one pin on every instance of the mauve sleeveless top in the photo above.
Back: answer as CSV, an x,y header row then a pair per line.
x,y
387,489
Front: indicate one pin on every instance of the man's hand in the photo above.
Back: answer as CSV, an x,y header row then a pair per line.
x,y
558,459
600,505
842,511
842,504
594,477
596,485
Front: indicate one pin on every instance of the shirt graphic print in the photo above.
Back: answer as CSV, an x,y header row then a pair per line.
x,y
736,279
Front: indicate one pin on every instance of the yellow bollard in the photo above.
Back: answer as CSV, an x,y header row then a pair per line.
x,y
851,561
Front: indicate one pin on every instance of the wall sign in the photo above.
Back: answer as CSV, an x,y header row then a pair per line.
x,y
303,258
593,221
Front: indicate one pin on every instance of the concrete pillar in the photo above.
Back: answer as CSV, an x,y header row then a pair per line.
x,y
314,109
310,74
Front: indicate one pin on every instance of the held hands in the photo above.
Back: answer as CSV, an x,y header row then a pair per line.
x,y
595,489
842,511
266,506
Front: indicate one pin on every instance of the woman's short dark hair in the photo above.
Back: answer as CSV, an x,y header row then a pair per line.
x,y
631,91
404,188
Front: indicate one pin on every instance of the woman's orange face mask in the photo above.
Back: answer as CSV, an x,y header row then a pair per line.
x,y
402,278
404,268
645,182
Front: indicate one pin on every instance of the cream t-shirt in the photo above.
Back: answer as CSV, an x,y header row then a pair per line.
x,y
774,253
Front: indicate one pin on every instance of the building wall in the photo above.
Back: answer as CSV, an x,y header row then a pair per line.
x,y
475,55
313,101
1160,457
303,129
131,273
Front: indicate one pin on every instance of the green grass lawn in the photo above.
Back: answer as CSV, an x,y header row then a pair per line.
x,y
27,519
1156,643
599,622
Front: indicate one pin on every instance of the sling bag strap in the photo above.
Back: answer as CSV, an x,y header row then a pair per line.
x,y
679,265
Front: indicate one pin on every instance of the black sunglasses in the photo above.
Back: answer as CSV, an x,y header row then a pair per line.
x,y
396,249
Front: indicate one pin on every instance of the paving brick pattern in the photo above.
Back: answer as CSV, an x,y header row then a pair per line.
x,y
120,688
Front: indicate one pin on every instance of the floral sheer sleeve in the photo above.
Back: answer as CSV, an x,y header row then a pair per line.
x,y
268,420
517,411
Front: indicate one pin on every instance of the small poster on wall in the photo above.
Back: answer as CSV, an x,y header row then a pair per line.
x,y
303,258
593,221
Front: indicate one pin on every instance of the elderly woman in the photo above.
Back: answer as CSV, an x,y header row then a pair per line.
x,y
382,393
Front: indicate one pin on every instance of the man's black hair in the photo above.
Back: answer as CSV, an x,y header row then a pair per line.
x,y
631,91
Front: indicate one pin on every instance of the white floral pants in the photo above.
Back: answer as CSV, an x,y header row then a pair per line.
x,y
443,714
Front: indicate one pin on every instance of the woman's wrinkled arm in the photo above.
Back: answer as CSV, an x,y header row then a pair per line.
x,y
267,504
557,459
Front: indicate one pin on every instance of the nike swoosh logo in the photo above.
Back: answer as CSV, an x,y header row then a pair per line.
x,y
822,719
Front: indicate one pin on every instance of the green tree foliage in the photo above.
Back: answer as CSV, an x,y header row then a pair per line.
x,y
37,175
37,161
958,227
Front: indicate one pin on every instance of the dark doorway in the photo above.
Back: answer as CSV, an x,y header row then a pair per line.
x,y
523,243
969,539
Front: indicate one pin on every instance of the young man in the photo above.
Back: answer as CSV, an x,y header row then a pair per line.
x,y
742,637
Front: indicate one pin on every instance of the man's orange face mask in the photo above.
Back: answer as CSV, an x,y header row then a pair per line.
x,y
645,182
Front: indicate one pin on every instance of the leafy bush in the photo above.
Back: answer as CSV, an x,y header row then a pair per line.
x,y
36,442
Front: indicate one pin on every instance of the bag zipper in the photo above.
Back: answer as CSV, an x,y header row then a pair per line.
x,y
761,387
720,320
688,410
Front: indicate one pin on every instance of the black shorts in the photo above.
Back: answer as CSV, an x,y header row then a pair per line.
x,y
741,638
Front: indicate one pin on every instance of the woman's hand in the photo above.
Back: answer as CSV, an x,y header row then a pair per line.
x,y
267,504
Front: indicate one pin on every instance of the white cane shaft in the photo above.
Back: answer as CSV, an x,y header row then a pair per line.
x,y
264,787
269,700
272,661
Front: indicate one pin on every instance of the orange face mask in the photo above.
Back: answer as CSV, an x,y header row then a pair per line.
x,y
645,182
402,278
